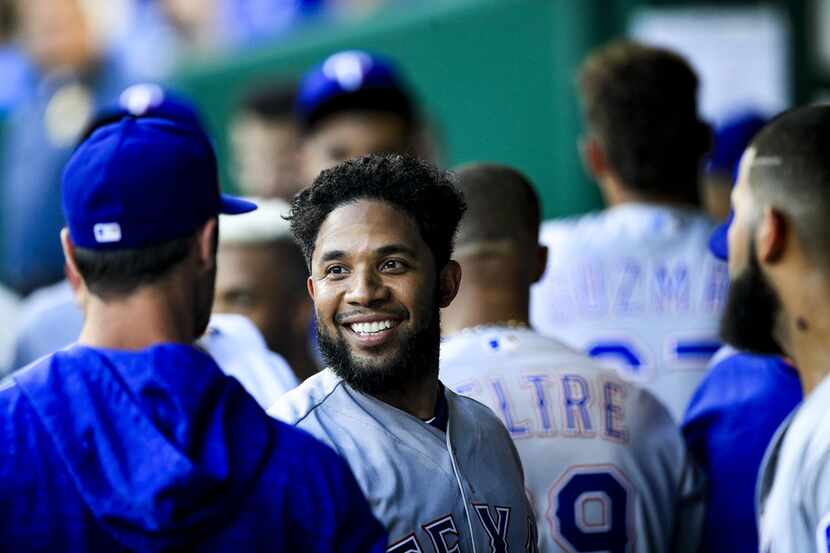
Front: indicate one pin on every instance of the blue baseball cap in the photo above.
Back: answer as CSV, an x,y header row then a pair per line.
x,y
146,100
731,139
718,241
142,181
352,80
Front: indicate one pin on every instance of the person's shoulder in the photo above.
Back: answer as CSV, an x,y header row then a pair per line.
x,y
740,380
471,413
47,302
650,425
239,349
313,394
553,231
20,432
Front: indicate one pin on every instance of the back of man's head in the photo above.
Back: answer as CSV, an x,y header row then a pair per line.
x,y
138,193
640,104
788,168
270,101
503,213
264,139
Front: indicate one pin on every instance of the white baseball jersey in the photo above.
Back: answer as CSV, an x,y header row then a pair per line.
x,y
794,483
635,287
457,491
605,464
239,349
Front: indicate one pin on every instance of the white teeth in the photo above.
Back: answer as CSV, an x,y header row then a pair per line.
x,y
371,328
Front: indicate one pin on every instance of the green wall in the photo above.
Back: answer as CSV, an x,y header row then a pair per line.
x,y
496,77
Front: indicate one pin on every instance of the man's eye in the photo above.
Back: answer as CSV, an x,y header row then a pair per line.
x,y
392,265
335,270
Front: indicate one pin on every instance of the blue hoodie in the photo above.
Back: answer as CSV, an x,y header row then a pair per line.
x,y
158,450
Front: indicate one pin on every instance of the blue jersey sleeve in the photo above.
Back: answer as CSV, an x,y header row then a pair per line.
x,y
728,425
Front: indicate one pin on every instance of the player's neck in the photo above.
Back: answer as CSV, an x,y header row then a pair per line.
x,y
148,316
418,399
480,304
807,330
615,193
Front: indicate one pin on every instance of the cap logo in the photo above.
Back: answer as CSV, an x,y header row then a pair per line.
x,y
139,98
348,69
107,232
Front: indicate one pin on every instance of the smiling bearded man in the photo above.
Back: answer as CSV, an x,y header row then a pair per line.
x,y
437,468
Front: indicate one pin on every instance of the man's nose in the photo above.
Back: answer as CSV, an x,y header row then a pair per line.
x,y
368,288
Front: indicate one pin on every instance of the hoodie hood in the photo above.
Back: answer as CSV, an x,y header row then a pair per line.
x,y
159,443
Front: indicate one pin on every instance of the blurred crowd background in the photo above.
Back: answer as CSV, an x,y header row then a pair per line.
x,y
488,79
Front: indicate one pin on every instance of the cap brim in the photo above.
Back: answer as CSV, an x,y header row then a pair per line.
x,y
718,243
231,205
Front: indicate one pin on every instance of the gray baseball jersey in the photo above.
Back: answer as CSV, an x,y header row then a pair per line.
x,y
456,491
635,287
604,462
794,483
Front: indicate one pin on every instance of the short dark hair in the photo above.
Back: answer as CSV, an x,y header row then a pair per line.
x,y
418,189
501,202
640,102
270,101
791,170
372,100
115,273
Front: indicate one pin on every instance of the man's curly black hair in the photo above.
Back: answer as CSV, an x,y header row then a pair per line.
x,y
425,193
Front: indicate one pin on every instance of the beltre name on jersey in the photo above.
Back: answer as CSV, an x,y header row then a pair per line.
x,y
604,462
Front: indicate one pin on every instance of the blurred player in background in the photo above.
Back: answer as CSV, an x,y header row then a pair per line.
x,y
438,469
52,319
730,139
605,464
262,275
71,74
264,138
740,402
633,285
353,104
779,302
133,439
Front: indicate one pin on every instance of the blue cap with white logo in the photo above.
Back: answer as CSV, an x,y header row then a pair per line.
x,y
143,180
354,80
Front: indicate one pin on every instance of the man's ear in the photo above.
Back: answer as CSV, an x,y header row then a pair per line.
x,y
73,275
206,243
593,157
449,280
541,263
772,236
310,286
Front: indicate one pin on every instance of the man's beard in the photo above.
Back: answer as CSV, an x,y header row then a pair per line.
x,y
751,312
416,360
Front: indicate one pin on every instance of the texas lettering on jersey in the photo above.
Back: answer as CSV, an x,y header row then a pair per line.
x,y
456,488
443,533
